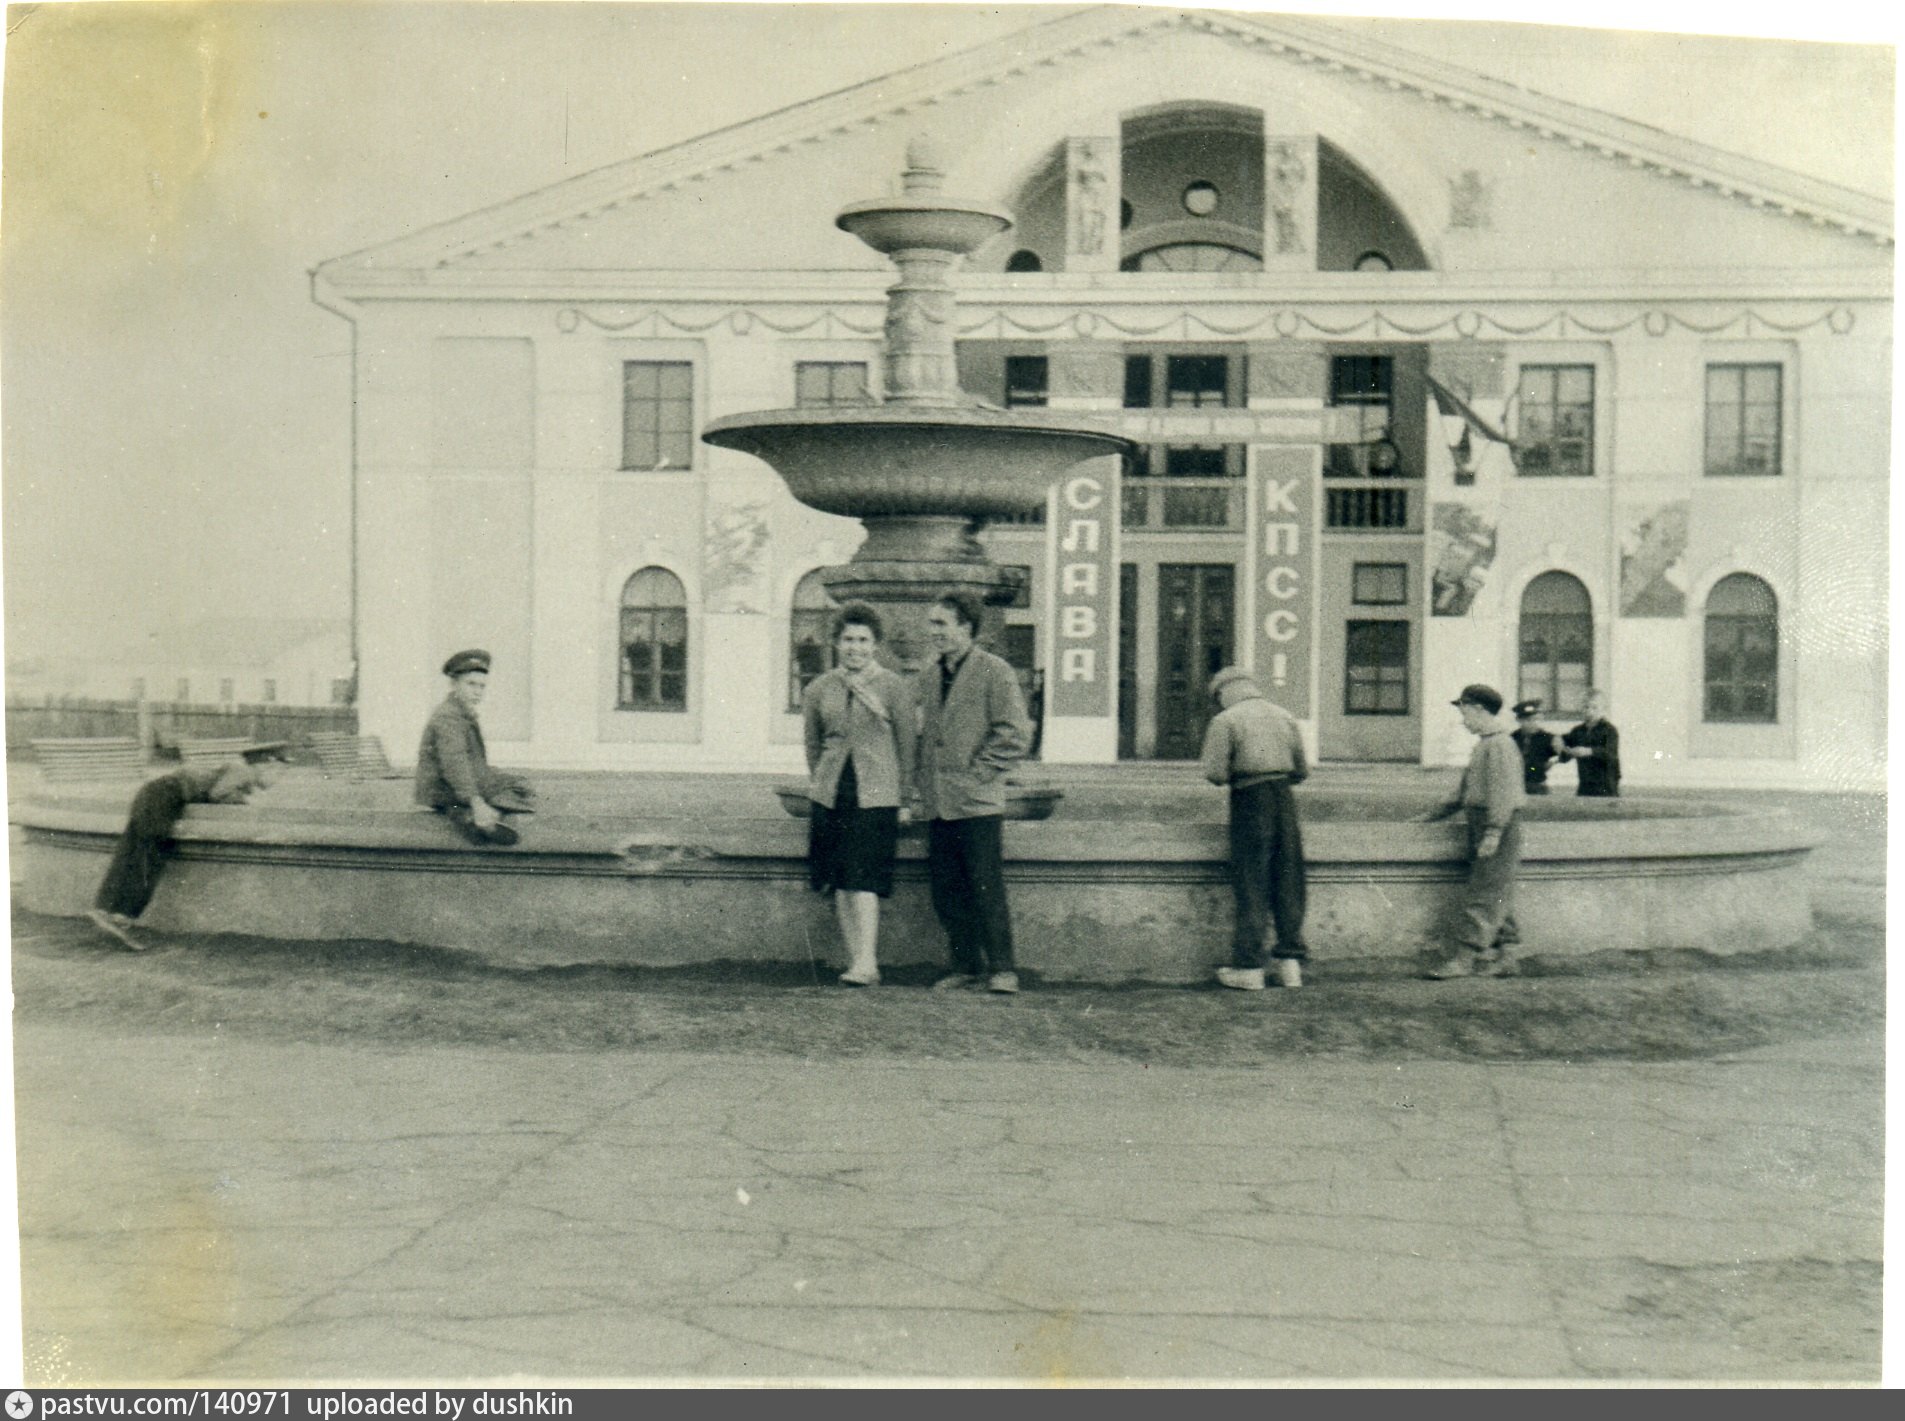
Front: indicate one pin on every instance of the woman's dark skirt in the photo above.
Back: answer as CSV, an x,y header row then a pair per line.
x,y
850,849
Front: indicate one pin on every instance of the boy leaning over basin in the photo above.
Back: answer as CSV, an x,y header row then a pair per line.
x,y
1253,746
1491,796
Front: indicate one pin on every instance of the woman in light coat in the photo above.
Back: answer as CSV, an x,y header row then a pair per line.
x,y
862,725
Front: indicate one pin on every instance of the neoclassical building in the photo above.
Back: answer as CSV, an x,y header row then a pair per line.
x,y
1434,380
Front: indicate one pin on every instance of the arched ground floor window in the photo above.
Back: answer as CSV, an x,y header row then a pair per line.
x,y
808,625
654,651
1742,651
1557,644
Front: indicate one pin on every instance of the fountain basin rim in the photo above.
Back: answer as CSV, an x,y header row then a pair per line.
x,y
908,417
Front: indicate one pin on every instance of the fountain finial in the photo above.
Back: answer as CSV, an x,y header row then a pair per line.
x,y
925,165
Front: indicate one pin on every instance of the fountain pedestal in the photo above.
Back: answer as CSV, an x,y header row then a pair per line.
x,y
928,466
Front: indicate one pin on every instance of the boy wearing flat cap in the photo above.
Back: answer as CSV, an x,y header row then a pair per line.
x,y
453,773
1491,796
1254,746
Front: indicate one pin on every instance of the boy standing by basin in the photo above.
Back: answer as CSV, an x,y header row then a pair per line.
x,y
453,773
1491,796
133,875
1595,747
1254,746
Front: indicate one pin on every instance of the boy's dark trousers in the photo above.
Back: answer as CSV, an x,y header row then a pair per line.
x,y
133,875
966,865
1266,872
1488,900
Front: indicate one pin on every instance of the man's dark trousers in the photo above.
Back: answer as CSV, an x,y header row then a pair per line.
x,y
1266,872
966,862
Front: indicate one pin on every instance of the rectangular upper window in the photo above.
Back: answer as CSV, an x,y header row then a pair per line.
x,y
1380,584
1365,384
658,414
1743,420
1555,435
1027,381
820,383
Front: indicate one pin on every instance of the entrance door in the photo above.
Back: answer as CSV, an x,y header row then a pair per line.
x,y
1196,639
1127,661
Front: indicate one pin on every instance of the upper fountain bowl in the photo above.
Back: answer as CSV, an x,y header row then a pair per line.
x,y
897,224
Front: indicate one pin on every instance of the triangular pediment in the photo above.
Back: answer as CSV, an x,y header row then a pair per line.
x,y
1081,38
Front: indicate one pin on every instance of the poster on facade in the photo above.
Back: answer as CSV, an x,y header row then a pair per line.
x,y
1461,552
1082,519
1283,511
731,558
1654,559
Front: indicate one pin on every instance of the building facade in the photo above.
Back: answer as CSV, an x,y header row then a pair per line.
x,y
1435,380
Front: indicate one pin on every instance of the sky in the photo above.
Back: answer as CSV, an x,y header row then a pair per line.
x,y
176,411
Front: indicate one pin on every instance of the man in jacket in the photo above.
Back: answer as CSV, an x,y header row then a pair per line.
x,y
975,729
1491,796
453,773
1595,747
1254,746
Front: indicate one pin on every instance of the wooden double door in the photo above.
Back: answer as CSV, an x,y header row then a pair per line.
x,y
1168,651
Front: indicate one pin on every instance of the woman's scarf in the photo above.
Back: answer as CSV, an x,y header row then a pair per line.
x,y
860,687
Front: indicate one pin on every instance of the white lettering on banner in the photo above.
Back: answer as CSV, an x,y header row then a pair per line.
x,y
1078,622
1280,539
1084,494
1079,578
1277,496
1079,663
1081,536
1280,625
1281,582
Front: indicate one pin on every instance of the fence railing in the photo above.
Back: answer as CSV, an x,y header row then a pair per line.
x,y
167,723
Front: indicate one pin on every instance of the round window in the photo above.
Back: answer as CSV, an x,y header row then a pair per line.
x,y
1200,199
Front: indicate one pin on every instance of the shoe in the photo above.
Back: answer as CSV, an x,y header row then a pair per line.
x,y
1495,964
868,978
116,926
1289,973
956,982
1007,982
1244,979
1458,964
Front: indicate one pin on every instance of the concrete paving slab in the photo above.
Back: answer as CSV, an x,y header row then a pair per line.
x,y
347,1212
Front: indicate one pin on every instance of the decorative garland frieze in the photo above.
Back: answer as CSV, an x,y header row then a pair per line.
x,y
1239,31
1193,323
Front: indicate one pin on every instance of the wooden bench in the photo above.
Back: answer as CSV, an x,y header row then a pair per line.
x,y
343,756
210,751
90,758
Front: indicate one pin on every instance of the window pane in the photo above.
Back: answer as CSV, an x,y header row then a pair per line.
x,y
1574,384
1762,384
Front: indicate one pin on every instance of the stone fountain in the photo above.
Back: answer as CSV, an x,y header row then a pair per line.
x,y
927,467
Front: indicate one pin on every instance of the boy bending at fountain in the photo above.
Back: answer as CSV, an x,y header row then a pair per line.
x,y
453,773
133,875
1254,746
1491,795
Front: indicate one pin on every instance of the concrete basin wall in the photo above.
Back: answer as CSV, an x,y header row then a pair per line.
x,y
1143,896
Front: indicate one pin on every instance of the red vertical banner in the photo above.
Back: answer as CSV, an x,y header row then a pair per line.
x,y
1082,522
1282,566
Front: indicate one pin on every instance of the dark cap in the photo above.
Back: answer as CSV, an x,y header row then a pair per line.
x,y
1527,708
466,661
1487,697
